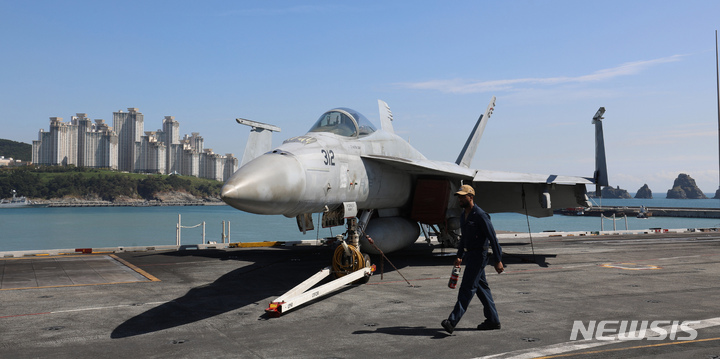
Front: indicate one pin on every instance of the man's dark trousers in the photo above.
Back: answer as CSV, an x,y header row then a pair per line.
x,y
474,282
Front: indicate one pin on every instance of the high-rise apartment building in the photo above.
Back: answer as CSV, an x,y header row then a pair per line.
x,y
58,146
231,165
171,137
84,126
212,165
192,151
191,163
124,147
129,127
79,143
100,147
152,154
195,141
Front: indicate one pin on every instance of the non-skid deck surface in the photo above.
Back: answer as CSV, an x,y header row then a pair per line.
x,y
24,273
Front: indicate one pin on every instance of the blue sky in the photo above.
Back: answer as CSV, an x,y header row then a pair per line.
x,y
551,64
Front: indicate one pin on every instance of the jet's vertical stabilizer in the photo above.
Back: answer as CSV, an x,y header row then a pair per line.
x,y
259,141
601,175
386,117
468,151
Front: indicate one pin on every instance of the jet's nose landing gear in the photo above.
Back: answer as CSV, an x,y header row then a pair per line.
x,y
347,259
349,265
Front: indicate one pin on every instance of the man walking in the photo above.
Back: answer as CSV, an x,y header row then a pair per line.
x,y
477,235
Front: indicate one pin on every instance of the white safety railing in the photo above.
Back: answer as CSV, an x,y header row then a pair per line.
x,y
602,222
180,227
224,236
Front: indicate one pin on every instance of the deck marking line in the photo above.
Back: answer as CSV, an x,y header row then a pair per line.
x,y
560,348
23,315
100,308
135,268
400,281
630,348
70,285
54,256
86,309
630,266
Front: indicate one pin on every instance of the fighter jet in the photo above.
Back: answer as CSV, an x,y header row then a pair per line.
x,y
346,168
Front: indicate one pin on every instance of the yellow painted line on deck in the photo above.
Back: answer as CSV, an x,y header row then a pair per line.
x,y
254,244
145,274
630,266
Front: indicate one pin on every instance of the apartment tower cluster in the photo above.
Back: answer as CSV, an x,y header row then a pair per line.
x,y
127,147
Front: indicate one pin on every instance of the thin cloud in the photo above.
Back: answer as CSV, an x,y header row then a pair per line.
x,y
692,131
468,86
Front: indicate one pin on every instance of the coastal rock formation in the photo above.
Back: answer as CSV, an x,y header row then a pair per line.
x,y
685,188
609,192
644,192
176,196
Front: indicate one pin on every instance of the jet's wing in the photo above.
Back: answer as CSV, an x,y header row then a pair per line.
x,y
497,191
423,167
516,177
533,194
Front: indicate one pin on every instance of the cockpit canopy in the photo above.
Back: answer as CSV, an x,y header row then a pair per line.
x,y
344,122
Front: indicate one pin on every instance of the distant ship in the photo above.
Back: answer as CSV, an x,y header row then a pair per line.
x,y
17,202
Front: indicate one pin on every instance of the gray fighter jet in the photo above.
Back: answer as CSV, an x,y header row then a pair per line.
x,y
345,168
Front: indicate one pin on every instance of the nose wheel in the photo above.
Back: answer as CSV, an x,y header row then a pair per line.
x,y
347,259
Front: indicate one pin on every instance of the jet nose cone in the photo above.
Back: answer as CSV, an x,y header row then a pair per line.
x,y
269,184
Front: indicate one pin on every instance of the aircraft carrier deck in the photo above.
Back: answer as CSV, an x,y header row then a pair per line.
x,y
210,303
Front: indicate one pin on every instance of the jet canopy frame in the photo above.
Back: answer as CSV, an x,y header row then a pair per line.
x,y
344,122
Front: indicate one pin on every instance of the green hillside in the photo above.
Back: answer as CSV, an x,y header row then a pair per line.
x,y
16,150
57,182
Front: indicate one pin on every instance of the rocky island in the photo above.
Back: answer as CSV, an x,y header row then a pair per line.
x,y
609,192
644,192
685,188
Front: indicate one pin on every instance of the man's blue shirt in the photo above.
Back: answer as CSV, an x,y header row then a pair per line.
x,y
477,231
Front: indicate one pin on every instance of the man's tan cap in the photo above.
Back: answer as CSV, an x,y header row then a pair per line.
x,y
465,189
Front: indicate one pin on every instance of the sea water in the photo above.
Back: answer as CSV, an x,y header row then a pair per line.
x,y
86,227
